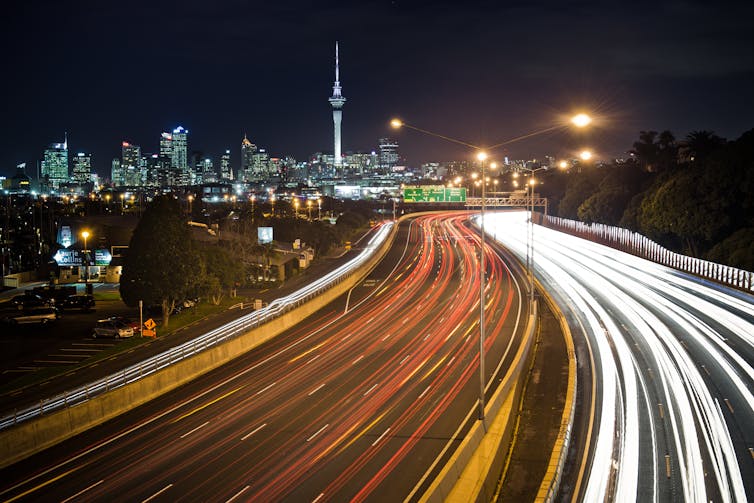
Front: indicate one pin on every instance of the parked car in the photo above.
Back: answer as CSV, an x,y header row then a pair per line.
x,y
128,321
83,302
41,315
112,328
29,300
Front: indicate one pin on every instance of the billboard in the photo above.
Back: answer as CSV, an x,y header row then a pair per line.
x,y
434,194
264,235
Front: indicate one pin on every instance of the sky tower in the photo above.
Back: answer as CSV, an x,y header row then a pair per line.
x,y
337,100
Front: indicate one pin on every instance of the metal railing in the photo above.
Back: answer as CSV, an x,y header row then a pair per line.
x,y
230,330
641,246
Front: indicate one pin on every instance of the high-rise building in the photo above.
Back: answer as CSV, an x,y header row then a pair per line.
x,y
82,168
388,154
130,164
116,174
180,155
248,150
165,171
336,101
54,169
226,171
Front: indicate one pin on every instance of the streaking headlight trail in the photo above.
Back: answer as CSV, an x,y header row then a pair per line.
x,y
673,374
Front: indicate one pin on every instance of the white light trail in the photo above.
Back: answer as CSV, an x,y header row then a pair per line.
x,y
659,336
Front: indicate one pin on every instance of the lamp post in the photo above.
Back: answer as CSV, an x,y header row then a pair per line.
x,y
191,205
85,235
295,207
319,209
309,209
482,156
580,120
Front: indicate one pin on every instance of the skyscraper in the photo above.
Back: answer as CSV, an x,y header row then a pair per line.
x,y
180,155
82,168
336,101
248,150
226,171
388,154
55,165
130,164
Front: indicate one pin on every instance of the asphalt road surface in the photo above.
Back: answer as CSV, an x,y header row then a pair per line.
x,y
359,402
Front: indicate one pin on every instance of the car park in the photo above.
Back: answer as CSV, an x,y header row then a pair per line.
x,y
40,315
111,327
83,302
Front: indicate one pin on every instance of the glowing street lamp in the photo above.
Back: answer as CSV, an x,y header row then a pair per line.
x,y
585,155
191,205
580,120
309,209
85,235
295,206
319,208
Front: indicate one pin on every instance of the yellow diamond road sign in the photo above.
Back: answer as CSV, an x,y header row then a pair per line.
x,y
150,324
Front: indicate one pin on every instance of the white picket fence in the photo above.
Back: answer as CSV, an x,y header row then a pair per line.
x,y
639,245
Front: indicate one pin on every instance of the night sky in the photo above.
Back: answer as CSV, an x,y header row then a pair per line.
x,y
482,72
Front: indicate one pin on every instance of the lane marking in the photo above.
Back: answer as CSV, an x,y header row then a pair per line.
x,y
43,484
380,437
357,360
265,388
318,432
730,407
82,491
370,389
321,495
158,493
197,428
316,389
239,493
254,431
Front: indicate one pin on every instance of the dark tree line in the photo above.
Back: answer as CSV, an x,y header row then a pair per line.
x,y
695,196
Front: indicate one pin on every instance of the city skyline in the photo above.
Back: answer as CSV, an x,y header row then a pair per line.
x,y
483,72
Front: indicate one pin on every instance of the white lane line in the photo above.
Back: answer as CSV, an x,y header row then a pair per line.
x,y
450,361
254,431
321,495
370,389
265,388
239,493
730,407
81,350
380,437
312,359
316,389
404,359
318,432
425,391
197,428
357,360
158,493
82,491
386,337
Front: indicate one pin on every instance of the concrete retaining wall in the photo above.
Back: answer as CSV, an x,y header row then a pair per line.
x,y
473,471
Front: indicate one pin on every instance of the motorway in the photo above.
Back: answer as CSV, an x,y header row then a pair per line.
x,y
362,401
672,414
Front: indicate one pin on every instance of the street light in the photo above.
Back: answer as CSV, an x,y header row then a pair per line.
x,y
482,156
309,209
319,208
85,235
295,206
580,120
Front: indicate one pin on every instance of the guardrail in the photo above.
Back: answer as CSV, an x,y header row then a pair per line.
x,y
230,330
641,246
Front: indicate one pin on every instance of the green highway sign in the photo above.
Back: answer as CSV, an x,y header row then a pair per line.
x,y
434,194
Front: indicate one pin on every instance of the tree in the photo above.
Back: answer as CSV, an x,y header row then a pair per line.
x,y
221,272
699,145
160,264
